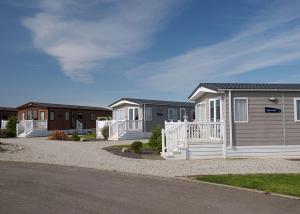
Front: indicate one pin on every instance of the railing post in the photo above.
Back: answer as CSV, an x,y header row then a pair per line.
x,y
185,131
224,137
163,146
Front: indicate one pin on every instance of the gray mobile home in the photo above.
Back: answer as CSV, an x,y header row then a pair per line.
x,y
135,118
239,120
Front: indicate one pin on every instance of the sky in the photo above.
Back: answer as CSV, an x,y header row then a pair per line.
x,y
93,53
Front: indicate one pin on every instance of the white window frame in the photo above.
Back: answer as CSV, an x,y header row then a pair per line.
x,y
42,115
247,103
50,116
148,117
138,111
215,109
119,114
175,110
197,112
295,109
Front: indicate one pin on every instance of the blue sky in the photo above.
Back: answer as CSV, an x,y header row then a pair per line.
x,y
63,51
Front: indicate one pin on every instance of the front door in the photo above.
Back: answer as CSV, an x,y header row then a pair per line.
x,y
133,117
215,116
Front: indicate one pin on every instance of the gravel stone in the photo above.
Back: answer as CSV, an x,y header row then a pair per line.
x,y
91,155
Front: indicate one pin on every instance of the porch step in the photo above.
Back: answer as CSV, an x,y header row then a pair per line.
x,y
204,150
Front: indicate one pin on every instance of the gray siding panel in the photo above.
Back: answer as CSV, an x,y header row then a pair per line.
x,y
266,128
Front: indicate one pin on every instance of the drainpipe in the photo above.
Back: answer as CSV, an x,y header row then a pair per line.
x,y
144,118
230,119
283,119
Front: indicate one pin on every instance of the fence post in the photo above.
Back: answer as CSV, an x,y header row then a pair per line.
x,y
186,124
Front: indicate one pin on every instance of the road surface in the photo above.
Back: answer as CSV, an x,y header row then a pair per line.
x,y
42,188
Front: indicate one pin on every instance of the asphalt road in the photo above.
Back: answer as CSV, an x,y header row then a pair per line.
x,y
41,188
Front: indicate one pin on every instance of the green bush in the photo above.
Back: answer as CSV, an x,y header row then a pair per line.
x,y
136,146
75,137
155,139
105,132
3,133
11,126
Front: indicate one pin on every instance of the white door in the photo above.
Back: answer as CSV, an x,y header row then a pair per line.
x,y
182,113
215,116
133,117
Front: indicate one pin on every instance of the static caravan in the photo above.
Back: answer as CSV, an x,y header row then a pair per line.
x,y
135,118
40,119
238,120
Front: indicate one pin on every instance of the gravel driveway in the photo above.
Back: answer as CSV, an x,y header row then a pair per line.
x,y
91,155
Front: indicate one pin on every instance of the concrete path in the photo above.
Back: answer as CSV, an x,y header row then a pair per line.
x,y
91,155
42,188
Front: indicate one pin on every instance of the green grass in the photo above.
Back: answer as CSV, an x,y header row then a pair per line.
x,y
287,184
145,146
89,136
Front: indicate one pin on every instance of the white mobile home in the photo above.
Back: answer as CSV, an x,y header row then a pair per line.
x,y
238,120
135,118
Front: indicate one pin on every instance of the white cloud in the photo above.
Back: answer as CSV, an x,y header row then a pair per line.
x,y
271,38
81,36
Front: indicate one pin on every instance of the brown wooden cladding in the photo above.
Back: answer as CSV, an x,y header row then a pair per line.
x,y
60,122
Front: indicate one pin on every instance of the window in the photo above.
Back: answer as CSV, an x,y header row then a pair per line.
x,y
52,115
240,110
119,114
42,115
172,114
148,114
297,109
23,116
215,110
93,116
201,112
29,115
67,115
193,114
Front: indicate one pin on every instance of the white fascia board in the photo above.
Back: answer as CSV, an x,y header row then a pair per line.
x,y
123,102
200,91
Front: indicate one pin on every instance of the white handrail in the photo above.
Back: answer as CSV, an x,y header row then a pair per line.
x,y
119,127
177,134
27,126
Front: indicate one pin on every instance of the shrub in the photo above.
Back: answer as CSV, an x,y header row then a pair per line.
x,y
105,132
75,137
11,127
58,135
3,133
136,146
155,139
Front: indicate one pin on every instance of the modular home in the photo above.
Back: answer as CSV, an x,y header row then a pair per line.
x,y
40,119
136,118
5,114
238,120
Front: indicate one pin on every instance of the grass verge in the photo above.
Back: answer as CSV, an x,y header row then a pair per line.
x,y
145,146
286,184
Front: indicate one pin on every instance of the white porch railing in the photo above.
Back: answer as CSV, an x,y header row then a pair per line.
x,y
177,134
119,127
3,124
27,126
